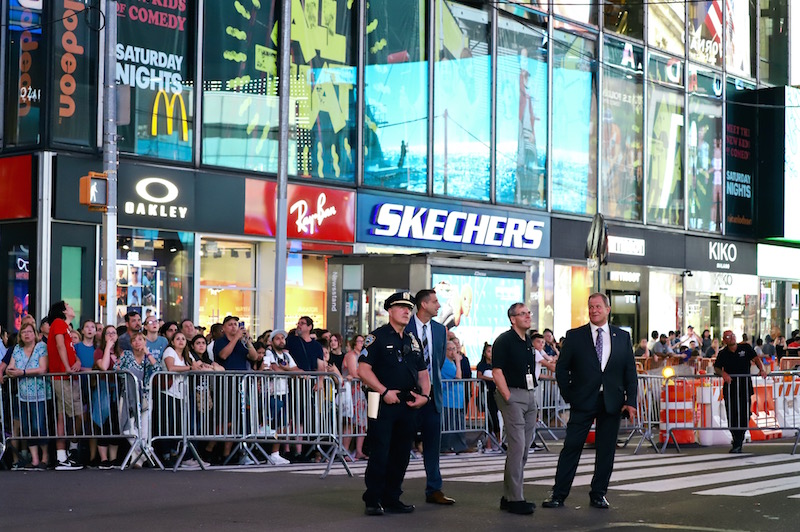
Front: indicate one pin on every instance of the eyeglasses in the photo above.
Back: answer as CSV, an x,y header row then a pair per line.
x,y
526,313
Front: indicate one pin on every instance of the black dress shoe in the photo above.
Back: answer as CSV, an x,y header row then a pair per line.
x,y
520,507
553,502
374,510
736,449
398,507
599,502
503,503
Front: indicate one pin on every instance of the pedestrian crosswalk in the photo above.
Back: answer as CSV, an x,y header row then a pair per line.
x,y
709,474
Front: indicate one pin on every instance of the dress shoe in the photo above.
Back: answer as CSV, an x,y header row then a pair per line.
x,y
521,507
374,510
437,497
553,502
599,502
503,503
397,507
736,449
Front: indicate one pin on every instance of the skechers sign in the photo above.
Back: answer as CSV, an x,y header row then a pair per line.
x,y
451,226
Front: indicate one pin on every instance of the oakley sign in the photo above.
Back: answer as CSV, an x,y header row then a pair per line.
x,y
156,193
441,225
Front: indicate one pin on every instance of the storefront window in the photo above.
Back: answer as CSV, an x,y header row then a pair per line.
x,y
573,285
665,26
740,34
462,102
240,114
396,96
26,64
155,273
704,141
665,122
522,112
664,302
774,42
705,31
227,282
624,17
622,130
574,154
155,79
722,301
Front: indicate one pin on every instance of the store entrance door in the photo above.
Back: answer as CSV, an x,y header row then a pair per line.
x,y
625,312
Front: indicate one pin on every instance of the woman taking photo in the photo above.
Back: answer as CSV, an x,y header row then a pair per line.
x,y
28,360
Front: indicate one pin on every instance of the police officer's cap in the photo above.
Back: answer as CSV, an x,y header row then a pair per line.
x,y
400,298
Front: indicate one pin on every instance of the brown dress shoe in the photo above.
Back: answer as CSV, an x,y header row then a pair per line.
x,y
437,497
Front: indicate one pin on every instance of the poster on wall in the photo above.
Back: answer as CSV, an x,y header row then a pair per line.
x,y
19,267
705,31
154,78
137,288
474,305
740,160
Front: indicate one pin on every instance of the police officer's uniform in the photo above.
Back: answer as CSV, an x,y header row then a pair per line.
x,y
395,360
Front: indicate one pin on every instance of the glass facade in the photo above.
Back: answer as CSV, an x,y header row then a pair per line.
x,y
522,112
666,26
774,42
665,105
462,106
396,96
624,17
574,157
621,174
704,144
740,35
227,281
705,31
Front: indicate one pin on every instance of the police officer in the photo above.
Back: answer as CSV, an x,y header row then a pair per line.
x,y
392,365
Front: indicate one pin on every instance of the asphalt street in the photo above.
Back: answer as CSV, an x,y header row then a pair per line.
x,y
698,489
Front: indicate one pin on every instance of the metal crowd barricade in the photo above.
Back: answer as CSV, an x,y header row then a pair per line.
x,y
101,405
248,409
353,413
647,409
766,407
464,408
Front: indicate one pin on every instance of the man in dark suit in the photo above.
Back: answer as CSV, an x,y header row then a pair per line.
x,y
433,338
596,374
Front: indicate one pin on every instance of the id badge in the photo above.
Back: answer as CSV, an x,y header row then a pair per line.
x,y
529,381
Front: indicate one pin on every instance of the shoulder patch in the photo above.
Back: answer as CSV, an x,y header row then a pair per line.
x,y
369,340
414,342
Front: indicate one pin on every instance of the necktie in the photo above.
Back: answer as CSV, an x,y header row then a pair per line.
x,y
425,351
598,346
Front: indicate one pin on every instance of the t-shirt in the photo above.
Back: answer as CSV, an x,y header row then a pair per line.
x,y
85,354
514,356
279,385
156,347
98,355
736,363
237,360
453,392
59,327
176,389
124,342
305,354
482,368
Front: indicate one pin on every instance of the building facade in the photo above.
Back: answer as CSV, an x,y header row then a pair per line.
x,y
460,144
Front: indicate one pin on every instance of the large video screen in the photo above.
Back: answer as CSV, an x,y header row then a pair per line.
x,y
475,305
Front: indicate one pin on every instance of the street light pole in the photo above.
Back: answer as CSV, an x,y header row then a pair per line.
x,y
281,213
109,230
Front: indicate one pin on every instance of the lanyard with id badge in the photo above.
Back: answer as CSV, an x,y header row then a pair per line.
x,y
530,382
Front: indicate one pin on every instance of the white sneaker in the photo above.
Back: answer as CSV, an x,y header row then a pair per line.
x,y
68,465
191,462
277,459
246,460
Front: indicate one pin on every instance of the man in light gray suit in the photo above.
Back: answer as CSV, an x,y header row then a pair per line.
x,y
433,339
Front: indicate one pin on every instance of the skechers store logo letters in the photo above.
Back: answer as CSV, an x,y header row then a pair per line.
x,y
156,193
439,225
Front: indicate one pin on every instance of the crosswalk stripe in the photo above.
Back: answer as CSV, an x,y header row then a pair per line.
x,y
739,474
754,489
620,474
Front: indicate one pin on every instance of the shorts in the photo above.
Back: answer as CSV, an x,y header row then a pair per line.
x,y
277,411
67,395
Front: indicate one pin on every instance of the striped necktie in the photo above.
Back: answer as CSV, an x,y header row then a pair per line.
x,y
425,350
598,345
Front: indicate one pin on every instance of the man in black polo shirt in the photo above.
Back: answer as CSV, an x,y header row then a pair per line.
x,y
394,367
735,360
513,370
